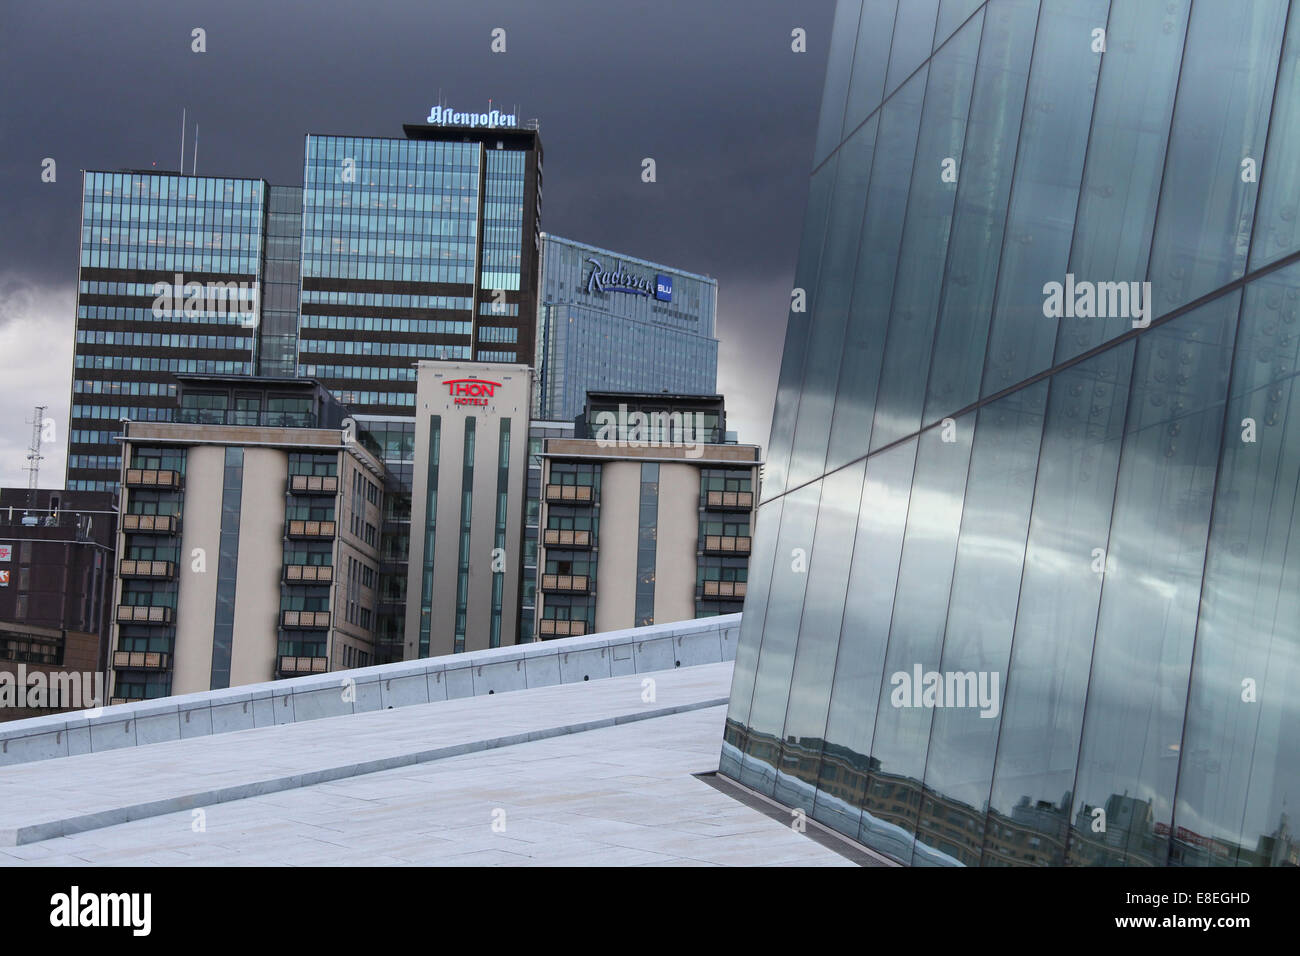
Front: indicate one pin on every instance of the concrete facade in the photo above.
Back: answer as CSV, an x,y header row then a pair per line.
x,y
463,582
220,529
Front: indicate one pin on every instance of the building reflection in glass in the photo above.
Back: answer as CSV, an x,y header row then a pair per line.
x,y
1098,512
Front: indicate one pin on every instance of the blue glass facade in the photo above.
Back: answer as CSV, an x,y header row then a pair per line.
x,y
416,248
1024,588
141,228
627,331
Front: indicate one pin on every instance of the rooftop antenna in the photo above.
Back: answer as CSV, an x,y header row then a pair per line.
x,y
181,168
34,455
194,169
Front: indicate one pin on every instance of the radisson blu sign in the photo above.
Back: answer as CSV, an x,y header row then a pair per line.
x,y
619,279
445,116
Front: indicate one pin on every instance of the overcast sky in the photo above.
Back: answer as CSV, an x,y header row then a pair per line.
x,y
708,88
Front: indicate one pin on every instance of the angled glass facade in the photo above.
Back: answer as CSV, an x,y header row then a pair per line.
x,y
1026,580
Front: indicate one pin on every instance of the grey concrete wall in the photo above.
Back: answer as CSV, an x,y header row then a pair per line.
x,y
340,693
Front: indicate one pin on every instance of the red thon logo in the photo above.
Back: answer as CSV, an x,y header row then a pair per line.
x,y
471,391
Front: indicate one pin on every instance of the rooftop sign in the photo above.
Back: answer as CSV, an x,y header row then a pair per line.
x,y
619,279
471,391
444,116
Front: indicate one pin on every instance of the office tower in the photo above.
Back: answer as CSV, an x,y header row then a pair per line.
x,y
416,248
645,515
613,322
169,281
467,509
1036,437
249,540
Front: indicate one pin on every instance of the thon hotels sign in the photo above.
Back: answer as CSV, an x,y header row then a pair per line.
x,y
471,391
619,279
445,116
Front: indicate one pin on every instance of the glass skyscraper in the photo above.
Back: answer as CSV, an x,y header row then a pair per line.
x,y
1026,583
415,249
139,228
611,322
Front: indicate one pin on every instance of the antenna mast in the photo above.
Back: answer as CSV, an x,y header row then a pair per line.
x,y
34,455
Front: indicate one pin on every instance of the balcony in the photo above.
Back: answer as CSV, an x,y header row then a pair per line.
x,y
302,665
311,529
141,660
565,582
152,478
562,628
150,524
143,614
133,568
730,500
313,484
726,544
309,573
313,619
570,493
723,589
560,537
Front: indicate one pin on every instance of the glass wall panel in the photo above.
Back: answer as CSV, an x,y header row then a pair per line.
x,y
1045,194
1126,155
761,560
863,638
867,86
776,647
1237,762
1277,231
830,126
1047,678
1220,119
983,185
1151,590
912,41
814,661
786,405
952,13
980,620
927,211
830,304
916,636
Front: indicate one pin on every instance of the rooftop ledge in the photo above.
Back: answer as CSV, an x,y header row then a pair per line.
x,y
569,660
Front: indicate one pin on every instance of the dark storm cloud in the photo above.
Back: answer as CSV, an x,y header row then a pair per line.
x,y
710,90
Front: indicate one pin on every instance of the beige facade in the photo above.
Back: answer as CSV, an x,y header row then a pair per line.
x,y
466,552
692,563
247,553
